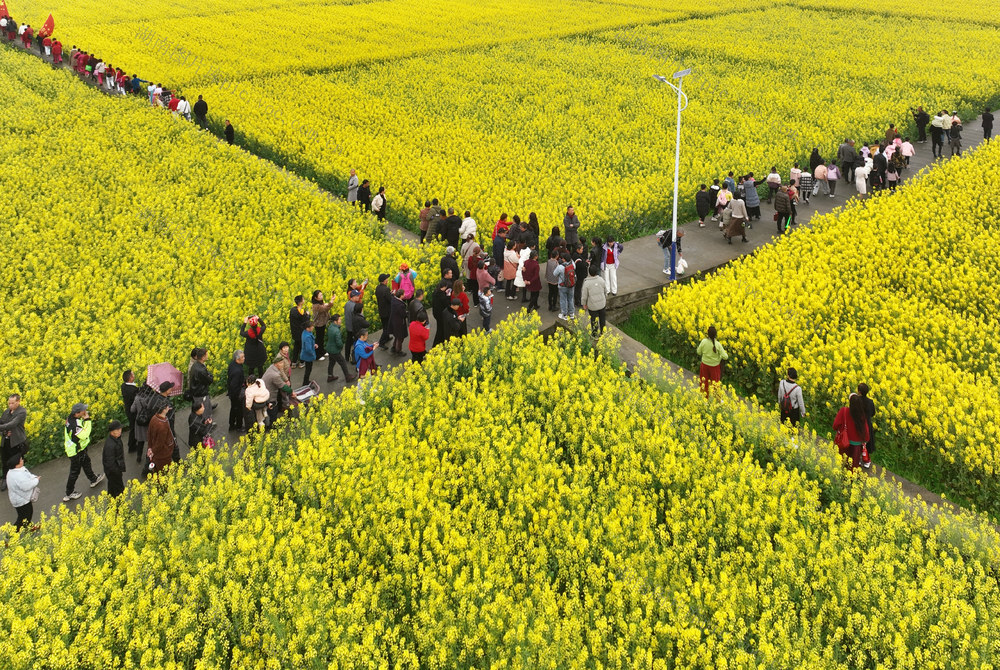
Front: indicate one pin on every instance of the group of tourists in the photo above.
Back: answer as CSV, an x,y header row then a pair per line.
x,y
853,428
110,79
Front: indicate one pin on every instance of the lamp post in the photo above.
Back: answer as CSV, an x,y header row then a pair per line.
x,y
679,76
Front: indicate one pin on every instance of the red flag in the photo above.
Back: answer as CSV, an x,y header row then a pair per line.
x,y
3,9
47,27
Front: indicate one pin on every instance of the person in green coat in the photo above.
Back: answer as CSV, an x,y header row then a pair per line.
x,y
712,354
335,348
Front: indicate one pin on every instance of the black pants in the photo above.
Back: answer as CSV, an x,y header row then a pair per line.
x,y
577,292
338,359
418,356
598,318
937,143
321,341
553,297
116,485
533,302
296,346
783,222
236,406
423,234
309,369
509,289
794,212
384,337
922,130
76,463
472,286
791,417
24,513
987,133
132,444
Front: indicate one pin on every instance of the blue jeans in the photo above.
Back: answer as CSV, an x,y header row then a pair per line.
x,y
566,300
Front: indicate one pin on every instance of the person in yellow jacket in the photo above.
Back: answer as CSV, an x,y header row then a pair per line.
x,y
76,439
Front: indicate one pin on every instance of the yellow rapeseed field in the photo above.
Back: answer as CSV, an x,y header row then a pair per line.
x,y
130,237
898,292
596,522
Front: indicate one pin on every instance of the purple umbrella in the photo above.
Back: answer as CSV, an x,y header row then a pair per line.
x,y
165,372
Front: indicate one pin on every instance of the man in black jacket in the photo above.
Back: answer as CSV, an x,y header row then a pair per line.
x,y
922,118
416,310
236,383
14,439
449,262
129,390
879,167
365,196
200,112
439,305
452,225
298,317
383,298
113,459
453,324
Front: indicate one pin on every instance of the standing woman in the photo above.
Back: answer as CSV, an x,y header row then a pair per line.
x,y
712,354
397,321
869,404
200,380
320,319
609,263
22,489
853,420
253,330
160,441
511,258
532,279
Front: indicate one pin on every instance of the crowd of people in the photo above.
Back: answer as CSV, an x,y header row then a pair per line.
x,y
108,78
854,431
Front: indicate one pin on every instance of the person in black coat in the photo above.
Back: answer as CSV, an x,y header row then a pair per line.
x,y
129,391
439,305
200,380
879,167
397,322
230,132
256,353
452,225
365,196
236,384
869,406
298,319
581,266
383,298
113,459
702,204
454,325
449,262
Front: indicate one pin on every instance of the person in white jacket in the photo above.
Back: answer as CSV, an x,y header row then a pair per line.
x,y
468,226
257,394
21,487
790,401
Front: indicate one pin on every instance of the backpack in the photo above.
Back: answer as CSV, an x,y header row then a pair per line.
x,y
569,276
145,413
786,401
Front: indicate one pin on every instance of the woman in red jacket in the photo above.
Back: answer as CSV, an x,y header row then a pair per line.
x,y
854,421
420,332
458,291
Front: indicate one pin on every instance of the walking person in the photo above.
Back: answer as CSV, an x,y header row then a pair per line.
x,y
307,353
298,317
552,281
712,354
511,259
702,204
820,177
383,300
352,188
869,405
113,459
790,402
782,208
737,214
199,379
365,196
832,176
987,124
773,181
76,439
160,444
486,307
955,138
420,332
579,257
334,349
379,204
252,330
200,109
364,354
939,125
14,439
609,264
532,280
129,390
566,275
921,118
236,383
571,225
22,490
751,198
229,132
440,303
594,297
424,217
320,315
851,426
397,322
847,157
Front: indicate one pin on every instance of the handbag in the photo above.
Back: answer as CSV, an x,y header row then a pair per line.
x,y
34,494
841,440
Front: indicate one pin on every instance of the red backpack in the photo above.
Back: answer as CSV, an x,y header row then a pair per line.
x,y
786,401
569,276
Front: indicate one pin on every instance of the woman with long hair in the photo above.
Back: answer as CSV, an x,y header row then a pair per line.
x,y
712,354
853,420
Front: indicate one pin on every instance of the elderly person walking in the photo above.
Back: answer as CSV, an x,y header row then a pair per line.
x,y
236,381
160,440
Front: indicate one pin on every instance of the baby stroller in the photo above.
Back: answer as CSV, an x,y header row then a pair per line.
x,y
302,396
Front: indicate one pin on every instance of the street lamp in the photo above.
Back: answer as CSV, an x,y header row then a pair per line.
x,y
679,76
